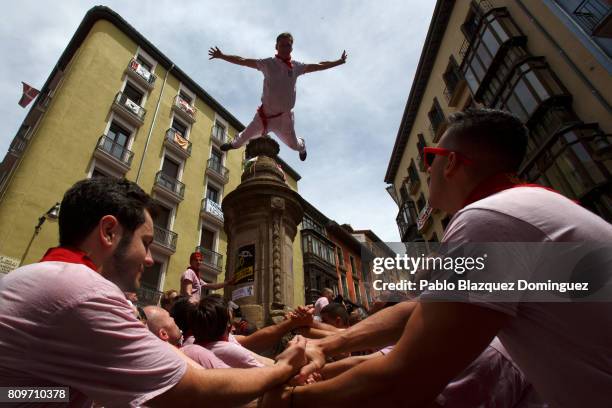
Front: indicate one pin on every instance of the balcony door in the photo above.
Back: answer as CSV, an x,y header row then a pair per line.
x,y
133,94
116,140
162,219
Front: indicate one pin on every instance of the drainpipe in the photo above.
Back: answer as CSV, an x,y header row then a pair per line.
x,y
144,153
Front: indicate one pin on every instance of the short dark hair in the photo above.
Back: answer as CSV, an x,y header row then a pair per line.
x,y
494,134
86,202
284,35
334,310
210,319
181,312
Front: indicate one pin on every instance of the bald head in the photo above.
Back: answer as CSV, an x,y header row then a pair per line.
x,y
161,324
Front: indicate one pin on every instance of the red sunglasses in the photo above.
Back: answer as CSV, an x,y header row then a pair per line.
x,y
430,153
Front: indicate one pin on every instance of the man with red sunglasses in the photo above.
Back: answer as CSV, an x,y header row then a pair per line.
x,y
280,75
564,348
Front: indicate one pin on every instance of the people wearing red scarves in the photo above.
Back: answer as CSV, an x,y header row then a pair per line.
x,y
275,114
563,345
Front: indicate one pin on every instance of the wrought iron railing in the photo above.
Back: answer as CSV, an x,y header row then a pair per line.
x,y
210,258
114,149
122,100
165,237
170,183
143,72
590,13
173,136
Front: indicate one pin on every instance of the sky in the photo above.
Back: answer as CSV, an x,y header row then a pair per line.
x,y
348,115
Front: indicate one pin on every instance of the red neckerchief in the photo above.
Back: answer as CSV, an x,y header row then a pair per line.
x,y
287,61
497,183
69,255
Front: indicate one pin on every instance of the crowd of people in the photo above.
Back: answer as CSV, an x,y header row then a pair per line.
x,y
66,321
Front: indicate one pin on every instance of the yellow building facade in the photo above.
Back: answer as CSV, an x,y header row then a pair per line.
x,y
115,105
542,61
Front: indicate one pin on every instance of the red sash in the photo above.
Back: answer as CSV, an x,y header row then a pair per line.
x,y
69,255
264,119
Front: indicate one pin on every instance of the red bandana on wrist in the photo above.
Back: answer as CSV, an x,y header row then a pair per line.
x,y
500,182
287,61
69,255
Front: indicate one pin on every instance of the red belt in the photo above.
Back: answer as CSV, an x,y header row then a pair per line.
x,y
264,118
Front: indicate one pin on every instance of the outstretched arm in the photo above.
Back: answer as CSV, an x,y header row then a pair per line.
x,y
326,64
215,52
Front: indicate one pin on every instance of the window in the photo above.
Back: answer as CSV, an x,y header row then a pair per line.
x,y
532,83
132,93
421,143
212,194
179,127
146,64
413,173
170,168
187,98
404,193
340,256
216,158
207,239
451,77
116,140
219,131
496,29
353,266
345,293
162,219
309,223
436,117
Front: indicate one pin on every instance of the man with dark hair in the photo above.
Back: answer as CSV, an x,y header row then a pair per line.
x,y
71,325
563,348
336,315
280,75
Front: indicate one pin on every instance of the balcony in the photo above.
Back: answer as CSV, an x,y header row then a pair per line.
x,y
595,17
212,262
184,110
176,143
140,74
216,171
455,85
164,240
169,187
406,222
113,154
413,183
424,219
212,212
218,135
128,109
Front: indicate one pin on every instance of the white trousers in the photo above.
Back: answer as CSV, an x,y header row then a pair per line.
x,y
282,126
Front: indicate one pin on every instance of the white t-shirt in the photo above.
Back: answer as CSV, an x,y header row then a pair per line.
x,y
279,84
564,349
63,324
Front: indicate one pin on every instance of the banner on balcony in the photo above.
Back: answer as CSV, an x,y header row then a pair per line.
x,y
245,265
29,93
180,140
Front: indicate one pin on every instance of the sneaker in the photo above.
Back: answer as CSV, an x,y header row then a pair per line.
x,y
227,146
303,155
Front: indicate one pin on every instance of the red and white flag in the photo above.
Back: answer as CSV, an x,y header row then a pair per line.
x,y
29,93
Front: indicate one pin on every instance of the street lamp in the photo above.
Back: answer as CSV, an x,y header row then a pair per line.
x,y
51,214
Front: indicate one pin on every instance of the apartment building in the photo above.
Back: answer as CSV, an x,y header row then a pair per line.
x,y
548,61
115,105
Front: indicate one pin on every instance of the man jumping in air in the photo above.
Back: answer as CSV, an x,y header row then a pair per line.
x,y
278,97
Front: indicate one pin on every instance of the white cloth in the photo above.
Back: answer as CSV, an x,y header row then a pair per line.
x,y
278,96
63,324
564,349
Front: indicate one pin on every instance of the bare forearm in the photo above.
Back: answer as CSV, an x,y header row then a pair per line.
x,y
334,369
370,383
265,338
377,331
235,59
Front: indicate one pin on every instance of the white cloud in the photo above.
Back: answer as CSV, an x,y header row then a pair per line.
x,y
349,116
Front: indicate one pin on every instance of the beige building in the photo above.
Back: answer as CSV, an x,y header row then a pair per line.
x,y
547,61
115,105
